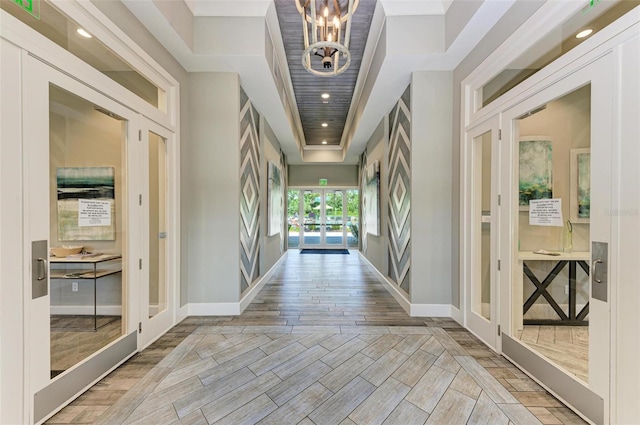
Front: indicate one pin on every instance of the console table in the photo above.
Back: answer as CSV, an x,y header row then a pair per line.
x,y
572,260
88,267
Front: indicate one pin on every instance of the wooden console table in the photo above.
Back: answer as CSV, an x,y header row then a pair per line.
x,y
94,271
572,260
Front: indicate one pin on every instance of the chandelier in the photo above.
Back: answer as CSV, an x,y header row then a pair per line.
x,y
326,32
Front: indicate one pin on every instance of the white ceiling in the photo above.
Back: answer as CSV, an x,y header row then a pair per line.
x,y
405,36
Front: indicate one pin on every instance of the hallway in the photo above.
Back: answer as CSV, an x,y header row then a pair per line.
x,y
322,343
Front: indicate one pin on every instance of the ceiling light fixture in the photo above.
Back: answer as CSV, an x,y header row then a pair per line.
x,y
584,33
325,95
324,142
83,33
326,34
324,124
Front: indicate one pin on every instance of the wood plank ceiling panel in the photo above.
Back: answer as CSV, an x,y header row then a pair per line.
x,y
308,87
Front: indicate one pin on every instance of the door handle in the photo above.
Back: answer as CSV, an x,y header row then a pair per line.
x,y
595,268
42,266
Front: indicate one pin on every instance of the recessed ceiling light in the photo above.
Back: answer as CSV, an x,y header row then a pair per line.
x,y
83,33
324,142
324,124
584,33
325,95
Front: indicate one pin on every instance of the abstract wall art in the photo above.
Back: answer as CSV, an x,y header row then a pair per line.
x,y
535,161
86,203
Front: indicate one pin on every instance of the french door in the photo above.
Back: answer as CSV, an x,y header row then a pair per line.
x,y
557,193
95,178
324,215
483,226
156,311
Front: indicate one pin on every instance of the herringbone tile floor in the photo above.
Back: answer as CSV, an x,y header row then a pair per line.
x,y
323,343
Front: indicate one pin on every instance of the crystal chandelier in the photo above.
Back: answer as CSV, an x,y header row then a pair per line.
x,y
326,32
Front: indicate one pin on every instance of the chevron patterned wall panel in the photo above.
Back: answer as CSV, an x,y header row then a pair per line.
x,y
250,193
399,224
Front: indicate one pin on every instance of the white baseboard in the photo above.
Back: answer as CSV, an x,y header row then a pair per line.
x,y
86,310
390,287
233,309
412,309
214,309
430,310
251,293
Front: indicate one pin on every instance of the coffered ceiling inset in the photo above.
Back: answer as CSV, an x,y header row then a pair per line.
x,y
309,88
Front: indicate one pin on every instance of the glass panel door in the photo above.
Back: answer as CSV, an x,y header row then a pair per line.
x,y
353,218
333,224
558,311
157,299
482,278
81,321
324,216
293,219
312,231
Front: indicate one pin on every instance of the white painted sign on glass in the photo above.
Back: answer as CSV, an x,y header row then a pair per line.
x,y
545,212
92,212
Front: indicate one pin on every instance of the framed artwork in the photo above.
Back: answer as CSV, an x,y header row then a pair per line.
x,y
371,202
580,185
535,170
86,203
275,199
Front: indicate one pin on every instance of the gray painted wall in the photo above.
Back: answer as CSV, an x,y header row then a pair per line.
x,y
512,20
337,175
431,182
214,188
376,249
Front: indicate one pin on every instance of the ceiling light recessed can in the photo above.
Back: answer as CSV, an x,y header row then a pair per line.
x,y
325,95
584,33
324,124
324,142
83,33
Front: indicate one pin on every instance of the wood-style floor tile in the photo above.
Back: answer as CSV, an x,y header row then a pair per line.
x,y
320,345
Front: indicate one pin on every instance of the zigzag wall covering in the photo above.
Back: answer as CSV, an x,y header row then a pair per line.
x,y
399,226
250,193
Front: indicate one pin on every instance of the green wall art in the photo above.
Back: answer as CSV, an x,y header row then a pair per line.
x,y
580,187
535,162
86,203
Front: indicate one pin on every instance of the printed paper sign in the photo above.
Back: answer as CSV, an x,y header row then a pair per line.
x,y
545,212
94,213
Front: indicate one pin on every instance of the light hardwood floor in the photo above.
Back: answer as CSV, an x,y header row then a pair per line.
x,y
323,343
566,346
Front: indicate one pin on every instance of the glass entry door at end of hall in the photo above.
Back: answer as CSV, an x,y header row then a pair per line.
x,y
324,215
